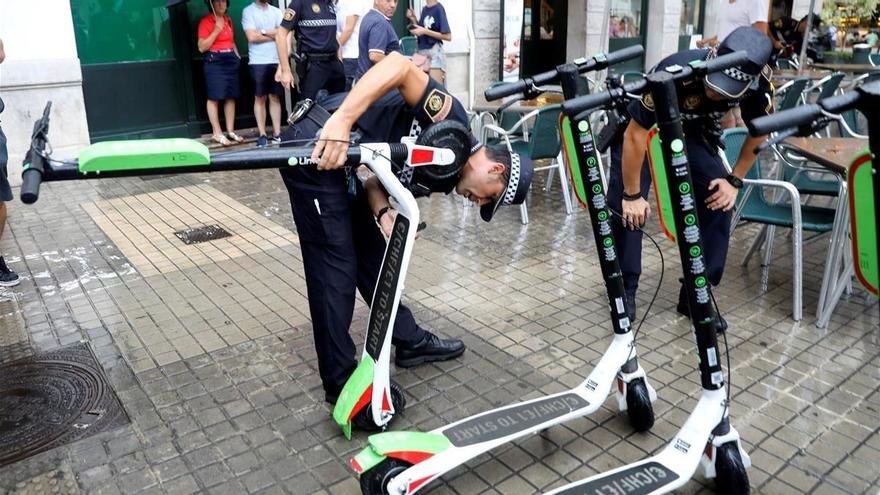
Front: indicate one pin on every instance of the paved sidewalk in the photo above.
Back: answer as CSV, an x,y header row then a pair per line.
x,y
209,346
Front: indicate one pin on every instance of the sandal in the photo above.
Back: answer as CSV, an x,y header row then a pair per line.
x,y
235,137
220,139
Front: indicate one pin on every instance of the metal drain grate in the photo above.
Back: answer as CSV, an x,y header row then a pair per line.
x,y
202,234
54,398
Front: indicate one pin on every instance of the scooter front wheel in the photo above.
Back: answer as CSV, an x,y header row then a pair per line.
x,y
638,405
375,481
363,420
730,474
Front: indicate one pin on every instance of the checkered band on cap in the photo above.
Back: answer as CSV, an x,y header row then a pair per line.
x,y
513,182
737,74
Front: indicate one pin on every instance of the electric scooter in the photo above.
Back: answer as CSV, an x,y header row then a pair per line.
x,y
706,438
405,462
371,383
863,176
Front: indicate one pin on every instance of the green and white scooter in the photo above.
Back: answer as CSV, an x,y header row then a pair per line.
x,y
370,398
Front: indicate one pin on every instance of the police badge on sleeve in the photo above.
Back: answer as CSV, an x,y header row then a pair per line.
x,y
437,105
289,14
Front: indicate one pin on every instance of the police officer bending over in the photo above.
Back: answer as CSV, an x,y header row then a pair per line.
x,y
336,216
702,103
313,22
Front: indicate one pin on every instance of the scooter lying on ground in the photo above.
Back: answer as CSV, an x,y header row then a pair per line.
x,y
405,462
863,175
370,398
706,437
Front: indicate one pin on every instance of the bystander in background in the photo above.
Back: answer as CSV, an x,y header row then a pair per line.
x,y
8,278
377,37
431,29
260,21
221,65
349,14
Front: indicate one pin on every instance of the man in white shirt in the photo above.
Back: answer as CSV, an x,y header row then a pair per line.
x,y
260,20
348,23
737,13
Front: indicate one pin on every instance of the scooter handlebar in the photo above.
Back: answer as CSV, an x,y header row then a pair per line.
x,y
723,62
34,164
597,62
786,119
587,103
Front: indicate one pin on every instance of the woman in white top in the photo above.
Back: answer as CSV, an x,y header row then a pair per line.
x,y
348,23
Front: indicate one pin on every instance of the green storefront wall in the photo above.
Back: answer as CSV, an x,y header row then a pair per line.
x,y
142,73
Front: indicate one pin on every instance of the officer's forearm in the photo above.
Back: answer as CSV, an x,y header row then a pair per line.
x,y
394,72
633,156
281,46
747,156
377,197
438,35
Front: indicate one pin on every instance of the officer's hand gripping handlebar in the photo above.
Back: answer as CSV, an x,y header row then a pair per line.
x,y
595,63
573,108
35,160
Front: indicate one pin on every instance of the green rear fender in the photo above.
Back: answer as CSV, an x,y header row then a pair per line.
x,y
355,395
863,222
661,183
143,154
412,446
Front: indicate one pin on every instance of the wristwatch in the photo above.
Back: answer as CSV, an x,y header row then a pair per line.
x,y
383,211
734,181
263,32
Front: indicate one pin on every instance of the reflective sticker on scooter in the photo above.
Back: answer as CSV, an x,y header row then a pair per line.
x,y
498,424
621,308
625,323
638,480
717,378
713,358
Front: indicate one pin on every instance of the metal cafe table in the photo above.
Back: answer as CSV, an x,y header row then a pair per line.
x,y
835,155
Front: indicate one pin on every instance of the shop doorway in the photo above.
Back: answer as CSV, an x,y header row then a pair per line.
x,y
544,35
628,26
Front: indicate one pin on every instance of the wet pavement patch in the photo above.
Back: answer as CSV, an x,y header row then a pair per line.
x,y
202,234
54,398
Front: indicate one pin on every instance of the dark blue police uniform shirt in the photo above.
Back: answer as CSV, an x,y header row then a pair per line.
x,y
433,18
313,22
700,115
376,34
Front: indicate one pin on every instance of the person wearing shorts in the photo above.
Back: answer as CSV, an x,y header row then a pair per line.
x,y
221,64
8,278
260,21
432,29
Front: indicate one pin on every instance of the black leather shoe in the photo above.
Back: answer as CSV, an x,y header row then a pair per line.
x,y
431,348
684,309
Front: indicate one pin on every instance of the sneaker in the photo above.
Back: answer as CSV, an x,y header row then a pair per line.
x,y
262,141
8,278
276,140
683,308
431,348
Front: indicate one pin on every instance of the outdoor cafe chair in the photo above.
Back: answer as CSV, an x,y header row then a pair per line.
x,y
753,205
409,45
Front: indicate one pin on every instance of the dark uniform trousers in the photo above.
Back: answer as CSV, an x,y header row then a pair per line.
x,y
705,166
342,248
324,73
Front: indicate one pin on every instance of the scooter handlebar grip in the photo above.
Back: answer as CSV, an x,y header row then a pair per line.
x,y
726,61
30,184
506,89
584,103
624,54
785,119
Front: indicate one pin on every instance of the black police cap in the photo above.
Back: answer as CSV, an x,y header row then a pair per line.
x,y
734,81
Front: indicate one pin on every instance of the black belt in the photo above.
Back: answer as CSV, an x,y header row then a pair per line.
x,y
319,56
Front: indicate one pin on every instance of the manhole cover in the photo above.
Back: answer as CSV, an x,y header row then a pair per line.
x,y
202,234
54,398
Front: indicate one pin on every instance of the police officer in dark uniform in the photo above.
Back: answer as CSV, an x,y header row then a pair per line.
x,y
788,35
342,247
313,22
702,103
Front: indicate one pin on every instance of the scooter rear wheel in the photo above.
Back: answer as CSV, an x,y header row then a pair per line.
x,y
730,474
375,481
363,420
638,405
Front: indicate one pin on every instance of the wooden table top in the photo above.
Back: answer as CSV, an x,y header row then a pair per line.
x,y
523,106
788,74
834,154
855,68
